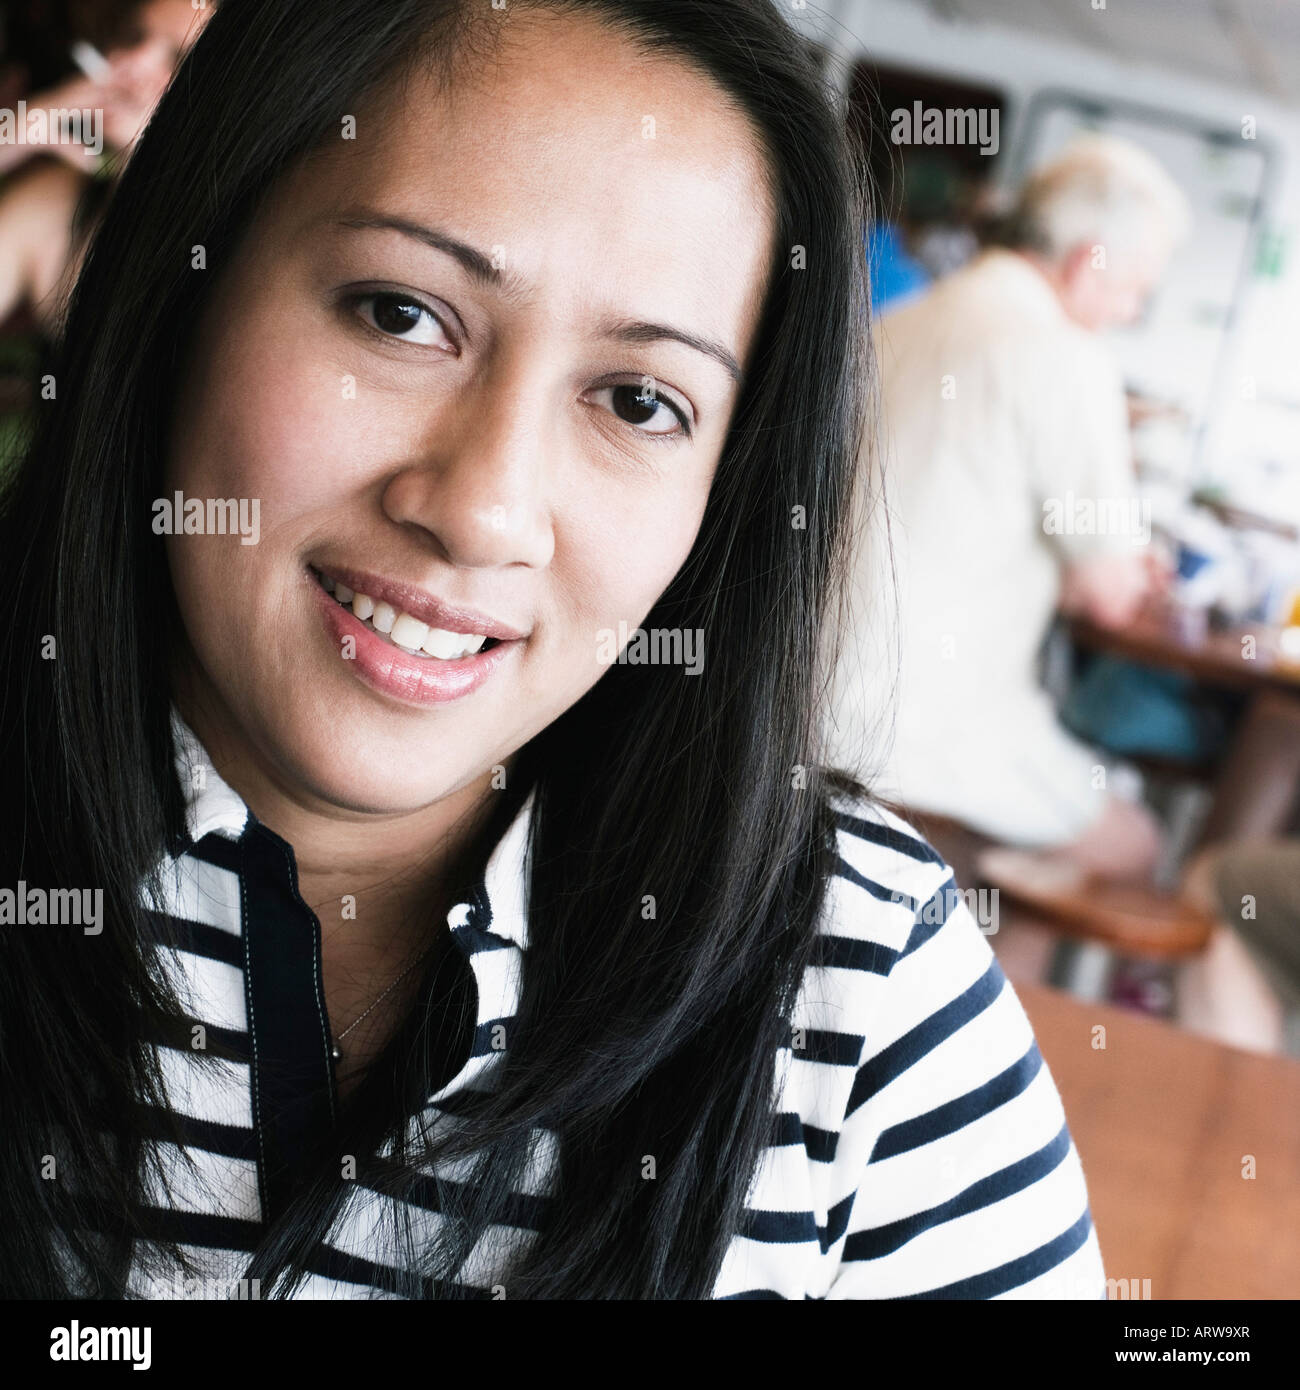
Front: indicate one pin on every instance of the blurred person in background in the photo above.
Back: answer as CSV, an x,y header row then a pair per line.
x,y
1000,403
55,191
1242,988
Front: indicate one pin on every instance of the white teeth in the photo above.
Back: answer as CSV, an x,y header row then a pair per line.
x,y
404,631
409,632
450,646
383,618
443,644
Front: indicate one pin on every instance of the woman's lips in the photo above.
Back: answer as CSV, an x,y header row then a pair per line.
x,y
423,606
418,680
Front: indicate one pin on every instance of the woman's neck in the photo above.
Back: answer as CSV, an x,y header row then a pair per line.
x,y
380,884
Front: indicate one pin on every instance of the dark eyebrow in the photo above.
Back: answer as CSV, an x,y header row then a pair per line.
x,y
482,269
474,261
634,331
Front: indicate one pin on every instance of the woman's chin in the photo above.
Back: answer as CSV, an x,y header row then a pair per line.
x,y
368,776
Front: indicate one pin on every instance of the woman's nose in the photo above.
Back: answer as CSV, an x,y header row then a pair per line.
x,y
481,492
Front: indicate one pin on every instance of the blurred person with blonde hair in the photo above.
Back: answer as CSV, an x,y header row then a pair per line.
x,y
1005,462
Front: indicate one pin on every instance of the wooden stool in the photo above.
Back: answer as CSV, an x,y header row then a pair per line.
x,y
1095,923
1099,920
1133,918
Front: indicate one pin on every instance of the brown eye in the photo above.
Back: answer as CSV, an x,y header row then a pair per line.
x,y
650,412
400,316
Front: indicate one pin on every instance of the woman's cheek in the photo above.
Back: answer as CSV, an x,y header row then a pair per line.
x,y
633,554
296,440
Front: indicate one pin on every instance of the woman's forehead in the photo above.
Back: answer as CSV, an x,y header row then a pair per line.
x,y
567,87
636,167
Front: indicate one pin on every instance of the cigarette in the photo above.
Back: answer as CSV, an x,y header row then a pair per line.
x,y
90,60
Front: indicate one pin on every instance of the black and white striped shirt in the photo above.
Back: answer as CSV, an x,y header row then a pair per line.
x,y
919,1146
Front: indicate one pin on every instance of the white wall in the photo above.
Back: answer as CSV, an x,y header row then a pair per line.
x,y
1252,442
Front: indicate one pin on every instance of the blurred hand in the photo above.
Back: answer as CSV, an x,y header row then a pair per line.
x,y
78,92
1161,569
126,94
1110,590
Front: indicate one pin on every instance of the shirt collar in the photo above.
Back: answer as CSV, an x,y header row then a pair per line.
x,y
499,904
505,880
211,807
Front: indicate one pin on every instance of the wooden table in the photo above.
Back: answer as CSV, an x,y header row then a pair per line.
x,y
1217,658
1164,1122
1257,782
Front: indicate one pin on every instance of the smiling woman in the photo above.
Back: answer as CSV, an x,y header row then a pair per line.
x,y
445,955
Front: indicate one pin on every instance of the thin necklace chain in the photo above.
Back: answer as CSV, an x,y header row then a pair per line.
x,y
338,1053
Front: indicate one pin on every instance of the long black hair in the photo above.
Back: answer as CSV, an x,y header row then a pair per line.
x,y
634,1037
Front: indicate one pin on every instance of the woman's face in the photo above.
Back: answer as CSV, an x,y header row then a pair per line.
x,y
426,364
